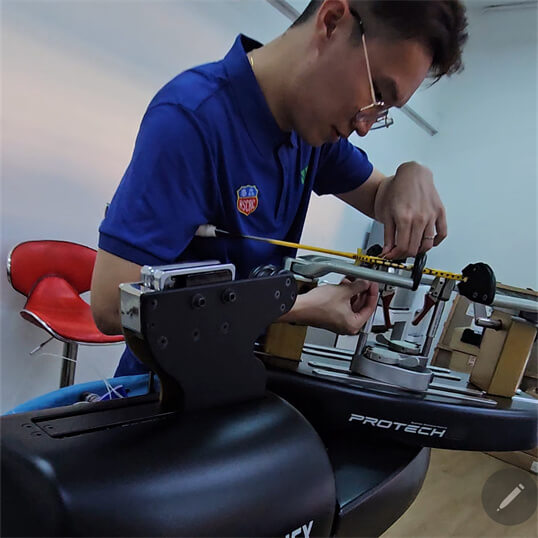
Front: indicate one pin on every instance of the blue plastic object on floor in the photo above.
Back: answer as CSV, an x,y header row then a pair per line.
x,y
133,385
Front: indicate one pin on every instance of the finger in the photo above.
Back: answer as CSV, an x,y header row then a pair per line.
x,y
359,301
441,226
403,233
373,291
428,237
370,304
415,239
358,286
389,240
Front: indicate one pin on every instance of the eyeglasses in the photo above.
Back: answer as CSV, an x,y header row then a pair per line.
x,y
376,111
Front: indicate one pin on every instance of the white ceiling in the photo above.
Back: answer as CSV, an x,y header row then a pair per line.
x,y
300,5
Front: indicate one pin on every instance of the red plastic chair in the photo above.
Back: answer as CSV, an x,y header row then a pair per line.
x,y
52,275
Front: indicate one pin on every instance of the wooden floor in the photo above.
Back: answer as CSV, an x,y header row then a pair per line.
x,y
449,503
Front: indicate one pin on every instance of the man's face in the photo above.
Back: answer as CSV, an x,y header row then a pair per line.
x,y
336,84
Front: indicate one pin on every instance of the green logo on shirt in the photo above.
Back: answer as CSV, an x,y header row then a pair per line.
x,y
304,171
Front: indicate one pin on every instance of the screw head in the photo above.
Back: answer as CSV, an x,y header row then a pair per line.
x,y
229,296
198,301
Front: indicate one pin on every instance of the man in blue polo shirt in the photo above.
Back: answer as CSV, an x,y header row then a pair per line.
x,y
242,143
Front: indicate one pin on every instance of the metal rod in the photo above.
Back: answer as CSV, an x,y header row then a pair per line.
x,y
316,266
432,329
346,353
320,266
448,394
452,388
328,354
438,369
489,323
445,376
285,8
41,345
363,336
515,303
528,4
67,375
419,120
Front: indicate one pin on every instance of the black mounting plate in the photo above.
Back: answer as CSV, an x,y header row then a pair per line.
x,y
200,340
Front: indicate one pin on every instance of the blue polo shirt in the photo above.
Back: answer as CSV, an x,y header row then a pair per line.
x,y
210,151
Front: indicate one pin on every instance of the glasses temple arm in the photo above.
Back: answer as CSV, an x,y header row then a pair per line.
x,y
368,67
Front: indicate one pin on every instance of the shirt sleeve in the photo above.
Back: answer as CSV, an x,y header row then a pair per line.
x,y
167,191
343,167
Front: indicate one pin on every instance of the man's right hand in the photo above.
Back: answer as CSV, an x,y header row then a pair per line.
x,y
343,308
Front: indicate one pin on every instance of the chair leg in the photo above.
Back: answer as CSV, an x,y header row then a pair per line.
x,y
67,377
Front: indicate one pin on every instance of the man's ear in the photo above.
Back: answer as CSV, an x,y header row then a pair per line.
x,y
329,16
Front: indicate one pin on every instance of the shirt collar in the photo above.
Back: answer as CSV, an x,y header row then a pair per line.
x,y
260,123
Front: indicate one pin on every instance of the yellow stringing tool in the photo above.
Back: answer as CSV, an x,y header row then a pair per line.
x,y
212,231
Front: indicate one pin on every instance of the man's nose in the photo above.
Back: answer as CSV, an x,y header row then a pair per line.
x,y
362,126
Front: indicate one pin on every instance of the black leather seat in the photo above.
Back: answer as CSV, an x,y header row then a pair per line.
x,y
252,469
216,455
125,468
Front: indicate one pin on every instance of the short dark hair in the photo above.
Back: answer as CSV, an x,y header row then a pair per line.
x,y
439,24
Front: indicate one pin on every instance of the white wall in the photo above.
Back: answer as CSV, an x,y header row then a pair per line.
x,y
485,153
77,77
483,158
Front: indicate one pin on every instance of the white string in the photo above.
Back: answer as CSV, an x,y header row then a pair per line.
x,y
108,386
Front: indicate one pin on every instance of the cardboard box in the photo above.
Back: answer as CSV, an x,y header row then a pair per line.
x,y
285,340
532,366
503,355
457,317
462,362
441,357
457,345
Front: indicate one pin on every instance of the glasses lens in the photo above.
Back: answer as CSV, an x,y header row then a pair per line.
x,y
380,119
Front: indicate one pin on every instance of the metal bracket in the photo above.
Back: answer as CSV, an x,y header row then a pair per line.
x,y
199,339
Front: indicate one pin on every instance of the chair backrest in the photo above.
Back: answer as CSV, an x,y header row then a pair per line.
x,y
30,261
